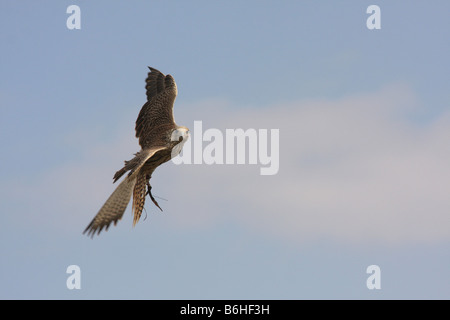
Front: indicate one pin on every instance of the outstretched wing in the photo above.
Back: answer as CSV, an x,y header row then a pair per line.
x,y
114,207
158,110
135,163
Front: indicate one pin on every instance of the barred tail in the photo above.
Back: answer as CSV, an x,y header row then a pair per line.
x,y
139,193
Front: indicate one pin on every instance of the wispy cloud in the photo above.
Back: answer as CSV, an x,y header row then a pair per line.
x,y
355,169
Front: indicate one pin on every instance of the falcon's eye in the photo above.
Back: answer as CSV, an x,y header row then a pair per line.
x,y
180,139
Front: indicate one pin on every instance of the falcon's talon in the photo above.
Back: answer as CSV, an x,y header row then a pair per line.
x,y
149,192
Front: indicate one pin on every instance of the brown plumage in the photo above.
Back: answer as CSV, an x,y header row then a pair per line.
x,y
158,134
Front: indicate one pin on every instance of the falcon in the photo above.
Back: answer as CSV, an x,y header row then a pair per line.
x,y
160,139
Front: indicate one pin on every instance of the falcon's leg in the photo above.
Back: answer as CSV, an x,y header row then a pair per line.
x,y
149,192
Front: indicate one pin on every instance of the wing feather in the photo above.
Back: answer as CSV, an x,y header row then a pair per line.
x,y
161,92
114,207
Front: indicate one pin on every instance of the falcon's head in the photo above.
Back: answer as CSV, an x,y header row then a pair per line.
x,y
179,136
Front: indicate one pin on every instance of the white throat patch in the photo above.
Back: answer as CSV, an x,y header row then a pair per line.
x,y
176,135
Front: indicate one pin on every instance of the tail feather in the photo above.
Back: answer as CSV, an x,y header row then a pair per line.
x,y
139,193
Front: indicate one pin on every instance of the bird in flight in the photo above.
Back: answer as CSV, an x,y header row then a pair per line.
x,y
160,139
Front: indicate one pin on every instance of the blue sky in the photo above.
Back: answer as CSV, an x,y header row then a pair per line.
x,y
364,123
